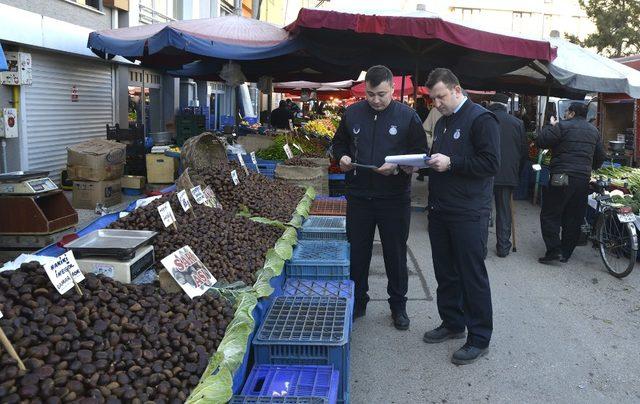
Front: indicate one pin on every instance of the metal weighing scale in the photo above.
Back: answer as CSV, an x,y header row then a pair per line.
x,y
32,204
118,254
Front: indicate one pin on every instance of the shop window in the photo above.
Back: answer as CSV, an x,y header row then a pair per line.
x,y
97,4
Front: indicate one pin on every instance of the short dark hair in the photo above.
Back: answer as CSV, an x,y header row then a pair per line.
x,y
579,109
443,75
282,103
377,74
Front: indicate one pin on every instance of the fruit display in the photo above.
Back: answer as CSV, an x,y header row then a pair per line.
x,y
115,343
324,127
264,197
233,248
300,162
311,146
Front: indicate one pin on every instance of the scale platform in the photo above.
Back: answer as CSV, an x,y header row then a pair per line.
x,y
26,183
121,271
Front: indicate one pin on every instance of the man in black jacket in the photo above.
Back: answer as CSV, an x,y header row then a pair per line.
x,y
513,154
369,131
576,148
465,157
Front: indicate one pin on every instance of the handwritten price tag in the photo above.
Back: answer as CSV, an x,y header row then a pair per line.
x,y
61,270
190,273
254,160
184,200
242,163
198,195
234,177
298,147
212,201
166,214
287,149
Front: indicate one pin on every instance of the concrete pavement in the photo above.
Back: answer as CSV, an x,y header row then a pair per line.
x,y
563,333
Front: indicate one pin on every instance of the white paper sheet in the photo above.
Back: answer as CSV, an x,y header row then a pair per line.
x,y
413,160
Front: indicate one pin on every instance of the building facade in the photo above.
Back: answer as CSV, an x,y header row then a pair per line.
x,y
74,94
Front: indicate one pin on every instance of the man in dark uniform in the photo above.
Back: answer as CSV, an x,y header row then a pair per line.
x,y
576,148
513,153
369,131
465,157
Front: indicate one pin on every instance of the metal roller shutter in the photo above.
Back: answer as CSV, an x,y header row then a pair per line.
x,y
53,121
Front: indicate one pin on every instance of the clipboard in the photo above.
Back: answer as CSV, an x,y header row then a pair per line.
x,y
372,167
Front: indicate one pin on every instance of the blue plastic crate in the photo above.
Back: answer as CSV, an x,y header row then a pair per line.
x,y
308,287
277,400
324,228
304,330
329,198
337,177
292,381
315,259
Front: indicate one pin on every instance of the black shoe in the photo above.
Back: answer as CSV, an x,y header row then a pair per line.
x,y
547,259
441,334
468,354
400,319
502,254
564,260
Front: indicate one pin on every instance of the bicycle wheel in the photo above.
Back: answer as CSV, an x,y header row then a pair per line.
x,y
617,247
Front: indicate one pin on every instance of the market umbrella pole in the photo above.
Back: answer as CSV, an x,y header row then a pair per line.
x,y
513,224
12,352
402,89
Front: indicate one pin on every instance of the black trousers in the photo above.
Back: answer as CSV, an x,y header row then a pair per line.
x,y
392,217
502,196
464,297
563,208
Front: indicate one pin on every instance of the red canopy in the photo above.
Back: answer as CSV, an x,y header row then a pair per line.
x,y
359,90
424,27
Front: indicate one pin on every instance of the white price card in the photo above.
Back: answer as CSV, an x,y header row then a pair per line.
x,y
298,147
1,314
198,195
188,271
242,163
254,160
166,214
60,271
287,149
184,200
308,138
212,201
234,177
291,125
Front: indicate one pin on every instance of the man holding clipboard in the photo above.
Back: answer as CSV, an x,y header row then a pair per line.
x,y
378,193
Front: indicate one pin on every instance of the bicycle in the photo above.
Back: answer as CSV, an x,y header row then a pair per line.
x,y
614,232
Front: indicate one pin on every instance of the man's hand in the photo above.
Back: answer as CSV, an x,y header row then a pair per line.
x,y
439,162
409,169
345,164
553,121
387,169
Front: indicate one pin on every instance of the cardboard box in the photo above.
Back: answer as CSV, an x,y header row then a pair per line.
x,y
87,193
133,181
96,160
161,169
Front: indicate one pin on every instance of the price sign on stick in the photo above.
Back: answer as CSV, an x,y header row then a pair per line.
x,y
198,195
287,150
167,216
189,272
212,201
254,160
64,273
242,163
291,125
184,200
234,177
298,147
12,352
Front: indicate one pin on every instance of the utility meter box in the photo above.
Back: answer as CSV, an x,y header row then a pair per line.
x,y
9,123
19,69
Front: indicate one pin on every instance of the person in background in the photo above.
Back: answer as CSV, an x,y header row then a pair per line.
x,y
576,149
465,156
513,154
429,125
369,131
280,116
421,108
293,107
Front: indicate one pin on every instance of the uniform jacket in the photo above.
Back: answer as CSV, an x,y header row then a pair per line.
x,y
471,139
368,136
